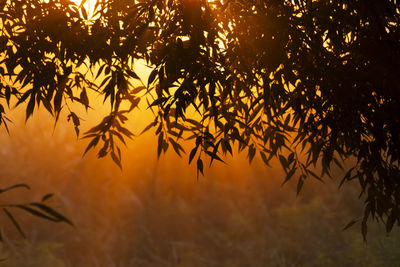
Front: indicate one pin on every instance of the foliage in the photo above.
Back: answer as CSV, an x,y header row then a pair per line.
x,y
307,82
38,209
146,216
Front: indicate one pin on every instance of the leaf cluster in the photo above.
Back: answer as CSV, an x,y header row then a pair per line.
x,y
312,83
38,209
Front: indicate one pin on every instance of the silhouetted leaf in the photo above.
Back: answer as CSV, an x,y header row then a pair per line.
x,y
200,166
13,187
300,185
350,224
47,196
36,213
264,158
93,143
192,154
148,127
252,153
116,159
57,216
14,222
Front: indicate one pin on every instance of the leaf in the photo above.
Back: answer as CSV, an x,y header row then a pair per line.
x,y
346,177
138,89
287,120
264,158
160,144
315,175
84,98
75,119
13,187
391,220
252,153
337,162
57,216
116,159
100,71
84,12
299,185
58,100
152,77
283,161
364,229
82,3
47,105
177,147
47,196
126,132
8,95
214,155
200,166
350,224
24,97
30,107
228,147
290,174
195,123
159,101
192,154
15,223
36,213
103,151
148,127
93,143
132,74
76,131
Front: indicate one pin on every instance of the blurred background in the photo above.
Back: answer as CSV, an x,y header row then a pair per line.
x,y
157,213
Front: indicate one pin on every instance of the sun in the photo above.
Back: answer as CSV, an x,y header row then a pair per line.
x,y
78,2
88,5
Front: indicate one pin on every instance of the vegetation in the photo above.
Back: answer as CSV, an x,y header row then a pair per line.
x,y
39,209
311,83
155,214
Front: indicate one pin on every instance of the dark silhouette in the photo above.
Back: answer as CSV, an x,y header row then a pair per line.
x,y
307,82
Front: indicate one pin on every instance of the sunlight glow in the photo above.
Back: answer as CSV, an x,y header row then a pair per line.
x,y
88,5
78,2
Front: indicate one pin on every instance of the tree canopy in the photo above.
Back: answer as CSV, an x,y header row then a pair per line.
x,y
312,83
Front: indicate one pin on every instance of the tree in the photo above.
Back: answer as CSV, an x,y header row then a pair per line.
x,y
312,83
